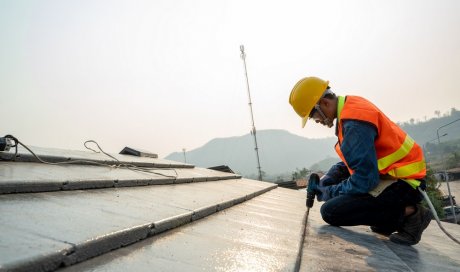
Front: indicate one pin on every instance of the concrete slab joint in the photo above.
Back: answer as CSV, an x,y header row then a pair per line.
x,y
171,223
106,243
203,212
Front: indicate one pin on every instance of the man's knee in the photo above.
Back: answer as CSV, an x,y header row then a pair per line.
x,y
327,213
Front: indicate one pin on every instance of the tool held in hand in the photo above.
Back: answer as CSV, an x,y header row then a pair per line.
x,y
313,182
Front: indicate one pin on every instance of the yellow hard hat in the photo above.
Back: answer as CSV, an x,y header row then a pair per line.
x,y
306,94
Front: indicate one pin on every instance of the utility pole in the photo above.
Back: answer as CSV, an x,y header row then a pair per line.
x,y
185,157
253,131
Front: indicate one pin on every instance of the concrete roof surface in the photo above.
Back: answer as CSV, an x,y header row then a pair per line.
x,y
179,217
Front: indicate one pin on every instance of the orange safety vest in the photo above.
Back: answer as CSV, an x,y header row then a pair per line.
x,y
398,155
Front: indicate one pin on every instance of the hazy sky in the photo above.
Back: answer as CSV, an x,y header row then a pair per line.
x,y
167,75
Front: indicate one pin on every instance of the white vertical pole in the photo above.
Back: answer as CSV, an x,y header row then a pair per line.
x,y
253,131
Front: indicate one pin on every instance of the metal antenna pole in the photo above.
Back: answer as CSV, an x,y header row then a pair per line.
x,y
253,132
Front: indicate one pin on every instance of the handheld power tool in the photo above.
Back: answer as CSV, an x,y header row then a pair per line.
x,y
313,182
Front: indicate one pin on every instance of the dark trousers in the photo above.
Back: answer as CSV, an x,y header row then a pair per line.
x,y
385,211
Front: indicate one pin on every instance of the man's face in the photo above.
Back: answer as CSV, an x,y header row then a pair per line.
x,y
318,119
316,116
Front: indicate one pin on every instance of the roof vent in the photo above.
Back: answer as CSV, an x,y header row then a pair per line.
x,y
138,152
222,168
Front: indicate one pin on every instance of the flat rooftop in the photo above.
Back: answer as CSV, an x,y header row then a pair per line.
x,y
169,216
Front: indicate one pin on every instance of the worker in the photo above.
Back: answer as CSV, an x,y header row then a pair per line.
x,y
375,184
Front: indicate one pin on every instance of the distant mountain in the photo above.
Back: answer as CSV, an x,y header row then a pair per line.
x,y
425,131
325,164
279,151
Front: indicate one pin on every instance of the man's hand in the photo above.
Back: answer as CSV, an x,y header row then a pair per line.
x,y
326,181
320,191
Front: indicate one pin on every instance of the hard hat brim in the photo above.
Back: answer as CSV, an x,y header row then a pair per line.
x,y
304,121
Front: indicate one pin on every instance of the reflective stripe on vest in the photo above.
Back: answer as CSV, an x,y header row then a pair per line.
x,y
407,170
413,183
397,155
340,104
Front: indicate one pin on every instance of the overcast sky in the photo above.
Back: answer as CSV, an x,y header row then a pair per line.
x,y
167,75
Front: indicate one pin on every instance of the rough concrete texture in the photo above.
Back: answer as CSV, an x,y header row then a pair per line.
x,y
36,177
328,248
96,221
262,234
16,250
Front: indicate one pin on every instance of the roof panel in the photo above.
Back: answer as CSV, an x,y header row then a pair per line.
x,y
247,237
36,177
25,253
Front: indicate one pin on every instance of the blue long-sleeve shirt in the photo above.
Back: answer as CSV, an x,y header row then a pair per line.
x,y
359,151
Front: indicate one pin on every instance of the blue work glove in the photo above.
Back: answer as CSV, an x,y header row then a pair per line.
x,y
320,191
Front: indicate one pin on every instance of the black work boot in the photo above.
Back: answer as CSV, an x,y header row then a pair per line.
x,y
413,226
